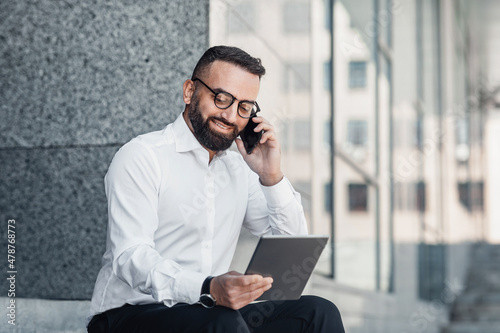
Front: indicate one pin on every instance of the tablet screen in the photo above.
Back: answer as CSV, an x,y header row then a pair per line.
x,y
289,260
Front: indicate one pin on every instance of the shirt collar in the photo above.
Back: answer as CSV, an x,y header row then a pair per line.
x,y
185,139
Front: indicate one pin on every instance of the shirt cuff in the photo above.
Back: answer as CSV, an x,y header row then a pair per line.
x,y
279,195
188,286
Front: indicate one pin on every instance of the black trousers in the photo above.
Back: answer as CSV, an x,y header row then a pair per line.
x,y
309,314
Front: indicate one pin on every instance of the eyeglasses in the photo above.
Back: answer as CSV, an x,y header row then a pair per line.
x,y
223,100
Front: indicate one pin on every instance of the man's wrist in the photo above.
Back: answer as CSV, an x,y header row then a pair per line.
x,y
206,298
270,180
205,287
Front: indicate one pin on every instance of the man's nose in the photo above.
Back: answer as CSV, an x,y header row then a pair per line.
x,y
231,113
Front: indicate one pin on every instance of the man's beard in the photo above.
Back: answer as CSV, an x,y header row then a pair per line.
x,y
208,138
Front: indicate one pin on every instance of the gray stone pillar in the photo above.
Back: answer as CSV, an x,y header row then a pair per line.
x,y
78,79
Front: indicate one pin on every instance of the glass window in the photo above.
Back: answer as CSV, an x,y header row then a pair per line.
x,y
361,100
462,149
328,197
297,100
418,133
327,134
383,21
357,132
432,274
327,75
462,131
355,230
358,197
471,195
357,74
328,18
421,197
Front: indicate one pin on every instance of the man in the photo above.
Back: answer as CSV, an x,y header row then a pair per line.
x,y
176,203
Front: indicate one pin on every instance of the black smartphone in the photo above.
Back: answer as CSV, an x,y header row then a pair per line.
x,y
249,137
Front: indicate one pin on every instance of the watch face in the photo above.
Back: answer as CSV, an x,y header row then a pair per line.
x,y
207,300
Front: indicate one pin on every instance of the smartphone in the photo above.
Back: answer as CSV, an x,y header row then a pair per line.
x,y
249,137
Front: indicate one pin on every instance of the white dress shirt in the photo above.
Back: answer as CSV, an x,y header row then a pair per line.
x,y
175,218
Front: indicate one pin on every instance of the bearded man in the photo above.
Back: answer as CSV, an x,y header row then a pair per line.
x,y
177,200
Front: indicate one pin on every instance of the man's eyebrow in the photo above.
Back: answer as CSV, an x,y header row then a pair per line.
x,y
220,90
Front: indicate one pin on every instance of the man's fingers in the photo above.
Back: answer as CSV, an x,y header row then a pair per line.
x,y
243,299
256,281
256,293
235,290
248,284
266,136
245,280
264,126
254,278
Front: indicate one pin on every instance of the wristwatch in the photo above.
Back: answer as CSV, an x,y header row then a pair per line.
x,y
206,299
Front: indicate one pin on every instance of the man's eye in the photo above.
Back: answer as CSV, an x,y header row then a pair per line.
x,y
223,99
246,108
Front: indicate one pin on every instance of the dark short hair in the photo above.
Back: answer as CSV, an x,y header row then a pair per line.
x,y
232,55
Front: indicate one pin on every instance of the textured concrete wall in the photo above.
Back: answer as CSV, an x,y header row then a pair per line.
x,y
77,80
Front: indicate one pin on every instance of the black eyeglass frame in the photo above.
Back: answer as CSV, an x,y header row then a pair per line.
x,y
253,113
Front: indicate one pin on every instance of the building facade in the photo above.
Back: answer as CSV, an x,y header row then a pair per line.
x,y
391,89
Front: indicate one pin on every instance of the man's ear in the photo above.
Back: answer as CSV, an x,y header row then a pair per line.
x,y
187,91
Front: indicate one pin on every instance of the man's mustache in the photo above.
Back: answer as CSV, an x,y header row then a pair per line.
x,y
228,124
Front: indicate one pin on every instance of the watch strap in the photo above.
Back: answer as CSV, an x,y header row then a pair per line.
x,y
206,299
205,287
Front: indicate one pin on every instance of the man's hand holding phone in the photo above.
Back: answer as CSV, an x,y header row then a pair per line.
x,y
265,158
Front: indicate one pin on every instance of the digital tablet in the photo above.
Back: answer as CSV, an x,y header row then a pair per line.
x,y
289,260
